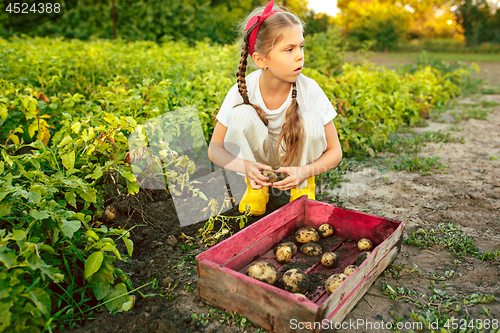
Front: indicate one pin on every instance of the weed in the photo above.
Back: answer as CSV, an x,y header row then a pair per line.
x,y
337,201
451,237
207,234
456,128
333,178
422,165
169,291
492,157
229,318
186,247
489,104
439,299
490,91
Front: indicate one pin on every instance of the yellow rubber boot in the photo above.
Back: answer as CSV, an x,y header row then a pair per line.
x,y
310,190
256,199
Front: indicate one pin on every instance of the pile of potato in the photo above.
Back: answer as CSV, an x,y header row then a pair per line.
x,y
295,280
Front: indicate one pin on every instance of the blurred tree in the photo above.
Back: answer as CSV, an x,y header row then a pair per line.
x,y
433,19
382,22
480,21
318,22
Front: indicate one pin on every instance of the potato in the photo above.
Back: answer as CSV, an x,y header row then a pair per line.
x,y
273,175
306,235
292,246
329,259
350,269
334,281
284,254
311,249
325,230
111,213
364,244
295,281
263,271
362,257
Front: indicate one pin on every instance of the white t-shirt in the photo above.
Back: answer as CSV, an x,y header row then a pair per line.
x,y
309,96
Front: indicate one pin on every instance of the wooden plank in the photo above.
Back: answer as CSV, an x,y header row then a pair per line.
x,y
266,244
348,223
352,299
364,270
243,239
263,304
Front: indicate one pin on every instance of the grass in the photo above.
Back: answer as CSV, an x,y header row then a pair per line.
x,y
468,57
473,111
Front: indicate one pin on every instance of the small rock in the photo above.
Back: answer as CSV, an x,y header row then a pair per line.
x,y
170,249
209,330
167,281
171,241
147,315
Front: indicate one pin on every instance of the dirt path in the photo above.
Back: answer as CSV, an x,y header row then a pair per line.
x,y
467,196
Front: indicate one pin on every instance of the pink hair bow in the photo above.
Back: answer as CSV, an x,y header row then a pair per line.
x,y
259,19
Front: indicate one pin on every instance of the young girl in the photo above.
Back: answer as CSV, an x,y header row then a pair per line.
x,y
276,118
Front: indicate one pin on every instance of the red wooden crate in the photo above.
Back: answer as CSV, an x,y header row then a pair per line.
x,y
223,283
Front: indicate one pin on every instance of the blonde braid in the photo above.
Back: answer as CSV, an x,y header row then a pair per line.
x,y
291,133
242,83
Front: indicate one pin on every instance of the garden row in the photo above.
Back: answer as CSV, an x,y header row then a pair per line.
x,y
67,109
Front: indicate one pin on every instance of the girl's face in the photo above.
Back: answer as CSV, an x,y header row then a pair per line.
x,y
285,61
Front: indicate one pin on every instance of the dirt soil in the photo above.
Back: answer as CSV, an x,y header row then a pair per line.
x,y
467,195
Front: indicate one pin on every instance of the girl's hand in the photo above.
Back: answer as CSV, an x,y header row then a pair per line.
x,y
252,171
296,175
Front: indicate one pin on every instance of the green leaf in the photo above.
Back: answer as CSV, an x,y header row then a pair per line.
x,y
5,314
101,290
39,215
41,300
19,235
128,175
97,172
92,234
67,139
51,272
90,195
68,160
133,187
117,298
8,259
127,305
105,273
3,194
5,208
130,245
2,167
93,263
34,196
70,227
70,198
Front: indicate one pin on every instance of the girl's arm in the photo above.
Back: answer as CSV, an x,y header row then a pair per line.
x,y
330,158
220,156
